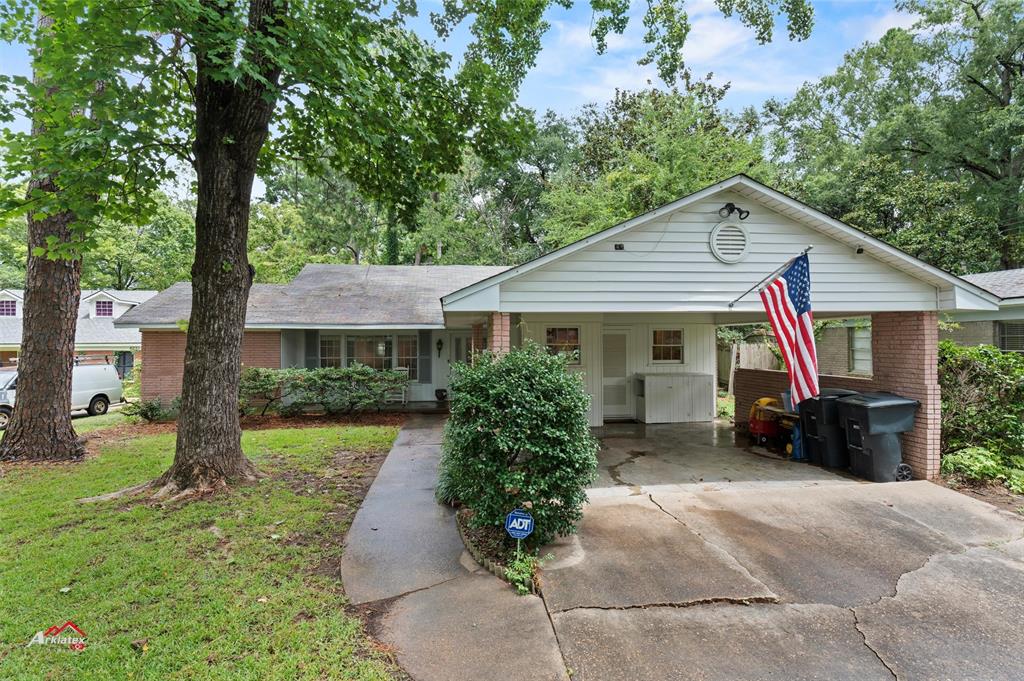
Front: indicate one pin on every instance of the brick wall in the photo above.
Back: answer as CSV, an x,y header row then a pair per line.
x,y
499,332
7,358
165,359
834,351
972,333
905,359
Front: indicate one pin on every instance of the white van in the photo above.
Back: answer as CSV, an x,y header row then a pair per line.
x,y
93,388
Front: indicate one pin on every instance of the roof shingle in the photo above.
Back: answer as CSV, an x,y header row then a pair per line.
x,y
1003,283
333,295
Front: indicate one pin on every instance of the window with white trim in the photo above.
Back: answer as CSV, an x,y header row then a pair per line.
x,y
667,346
408,355
330,351
104,308
8,308
1011,336
564,340
859,349
373,351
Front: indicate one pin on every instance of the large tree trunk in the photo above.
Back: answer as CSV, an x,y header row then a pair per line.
x,y
232,123
41,425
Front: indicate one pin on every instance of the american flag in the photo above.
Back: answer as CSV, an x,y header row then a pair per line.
x,y
787,300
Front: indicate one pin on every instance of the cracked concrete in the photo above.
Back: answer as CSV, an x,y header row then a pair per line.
x,y
755,579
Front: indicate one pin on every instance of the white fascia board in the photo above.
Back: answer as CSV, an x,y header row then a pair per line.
x,y
487,299
964,299
655,214
110,295
9,292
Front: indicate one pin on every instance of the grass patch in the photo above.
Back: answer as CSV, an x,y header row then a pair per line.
x,y
726,405
87,424
223,588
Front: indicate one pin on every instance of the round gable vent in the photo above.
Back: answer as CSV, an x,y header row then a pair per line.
x,y
730,241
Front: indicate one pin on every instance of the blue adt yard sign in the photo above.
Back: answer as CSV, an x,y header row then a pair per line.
x,y
519,524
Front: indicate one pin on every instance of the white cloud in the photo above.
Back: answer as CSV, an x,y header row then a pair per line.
x,y
601,82
712,37
873,28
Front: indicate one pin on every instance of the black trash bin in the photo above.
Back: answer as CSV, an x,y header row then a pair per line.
x,y
824,440
873,423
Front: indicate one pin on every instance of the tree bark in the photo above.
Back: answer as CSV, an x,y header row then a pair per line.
x,y
40,428
232,124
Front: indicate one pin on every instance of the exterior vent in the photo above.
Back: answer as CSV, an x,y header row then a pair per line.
x,y
730,241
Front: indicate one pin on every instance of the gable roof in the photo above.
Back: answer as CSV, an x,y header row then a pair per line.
x,y
772,199
331,296
128,297
1003,283
98,332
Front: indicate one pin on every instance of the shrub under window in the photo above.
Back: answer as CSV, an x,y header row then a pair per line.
x,y
518,437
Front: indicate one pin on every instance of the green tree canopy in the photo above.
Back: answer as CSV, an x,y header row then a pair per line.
x,y
942,101
645,149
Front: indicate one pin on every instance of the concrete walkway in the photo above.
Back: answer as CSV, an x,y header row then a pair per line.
x,y
445,616
746,578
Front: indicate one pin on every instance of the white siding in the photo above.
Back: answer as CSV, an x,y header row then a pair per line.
x,y
667,266
698,346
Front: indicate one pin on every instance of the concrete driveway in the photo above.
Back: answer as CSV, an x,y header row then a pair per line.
x,y
696,560
848,581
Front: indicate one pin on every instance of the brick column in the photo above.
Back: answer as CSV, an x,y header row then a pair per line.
x,y
904,348
499,332
478,342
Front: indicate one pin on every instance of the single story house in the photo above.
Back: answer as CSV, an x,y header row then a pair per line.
x,y
639,302
96,337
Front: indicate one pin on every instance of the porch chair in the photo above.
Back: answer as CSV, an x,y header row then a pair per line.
x,y
401,395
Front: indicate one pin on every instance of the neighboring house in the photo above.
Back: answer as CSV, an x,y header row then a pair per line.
x,y
638,303
96,337
1003,328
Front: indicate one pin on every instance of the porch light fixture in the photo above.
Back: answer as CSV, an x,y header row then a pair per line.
x,y
440,347
730,208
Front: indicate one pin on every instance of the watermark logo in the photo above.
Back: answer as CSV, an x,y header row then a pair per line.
x,y
61,634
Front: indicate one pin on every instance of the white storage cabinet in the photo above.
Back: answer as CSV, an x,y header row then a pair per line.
x,y
675,397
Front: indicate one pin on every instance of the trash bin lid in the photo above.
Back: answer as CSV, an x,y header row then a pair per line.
x,y
878,400
835,393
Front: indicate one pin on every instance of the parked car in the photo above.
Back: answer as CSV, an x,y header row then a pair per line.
x,y
93,388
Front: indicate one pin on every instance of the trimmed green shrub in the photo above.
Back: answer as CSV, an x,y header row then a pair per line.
x,y
518,437
153,411
263,389
335,390
974,463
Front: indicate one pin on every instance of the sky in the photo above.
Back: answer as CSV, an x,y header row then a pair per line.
x,y
569,73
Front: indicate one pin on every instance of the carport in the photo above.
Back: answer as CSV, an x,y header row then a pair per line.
x,y
642,300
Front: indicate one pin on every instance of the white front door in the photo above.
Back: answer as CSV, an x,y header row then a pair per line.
x,y
614,377
458,350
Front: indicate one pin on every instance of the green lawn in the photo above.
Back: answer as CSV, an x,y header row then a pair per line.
x,y
86,423
240,586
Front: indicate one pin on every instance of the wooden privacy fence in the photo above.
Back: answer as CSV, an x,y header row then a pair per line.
x,y
746,356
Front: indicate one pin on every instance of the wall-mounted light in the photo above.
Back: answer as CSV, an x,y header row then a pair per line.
x,y
730,208
440,347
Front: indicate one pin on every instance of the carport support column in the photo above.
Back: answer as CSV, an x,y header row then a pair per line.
x,y
499,332
905,355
